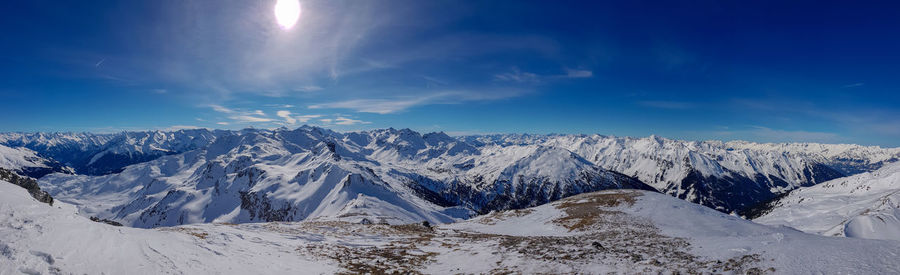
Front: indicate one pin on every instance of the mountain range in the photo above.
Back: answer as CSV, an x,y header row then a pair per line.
x,y
158,178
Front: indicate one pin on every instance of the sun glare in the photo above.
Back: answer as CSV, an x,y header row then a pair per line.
x,y
287,12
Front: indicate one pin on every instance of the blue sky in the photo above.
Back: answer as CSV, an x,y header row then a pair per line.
x,y
768,71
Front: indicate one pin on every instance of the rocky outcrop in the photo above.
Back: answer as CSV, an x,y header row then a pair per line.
x,y
29,184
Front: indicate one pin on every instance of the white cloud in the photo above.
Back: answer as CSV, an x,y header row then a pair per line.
x,y
287,116
326,120
221,109
222,123
283,106
348,121
290,119
249,118
306,118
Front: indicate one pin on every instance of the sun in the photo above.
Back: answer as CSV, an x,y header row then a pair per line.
x,y
286,13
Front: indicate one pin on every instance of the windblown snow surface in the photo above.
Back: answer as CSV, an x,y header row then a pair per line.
x,y
864,206
625,231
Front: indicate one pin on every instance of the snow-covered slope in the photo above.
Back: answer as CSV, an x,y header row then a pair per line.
x,y
479,173
248,177
395,176
26,162
865,206
610,231
36,238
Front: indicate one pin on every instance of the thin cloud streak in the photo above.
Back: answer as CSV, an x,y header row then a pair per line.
x,y
394,105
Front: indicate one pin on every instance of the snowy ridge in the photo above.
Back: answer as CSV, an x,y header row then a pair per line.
x,y
864,206
27,162
601,232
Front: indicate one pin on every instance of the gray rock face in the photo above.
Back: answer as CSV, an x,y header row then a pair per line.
x,y
29,184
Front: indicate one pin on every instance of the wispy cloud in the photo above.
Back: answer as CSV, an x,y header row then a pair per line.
x,y
378,106
240,116
517,76
397,104
348,121
854,85
310,88
221,109
249,119
282,106
571,73
181,127
306,118
861,121
291,119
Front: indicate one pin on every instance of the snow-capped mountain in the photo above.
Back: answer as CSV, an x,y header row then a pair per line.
x,y
866,205
26,162
402,175
252,175
99,154
727,176
603,232
395,176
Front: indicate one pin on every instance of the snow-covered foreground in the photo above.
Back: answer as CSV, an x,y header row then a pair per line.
x,y
864,206
624,230
36,238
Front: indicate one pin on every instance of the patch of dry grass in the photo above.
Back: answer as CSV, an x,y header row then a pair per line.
x,y
190,231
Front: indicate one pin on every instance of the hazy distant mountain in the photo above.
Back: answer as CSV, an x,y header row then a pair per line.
x,y
100,154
